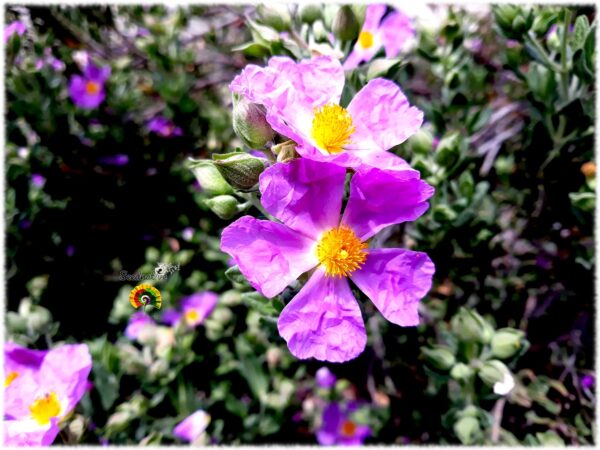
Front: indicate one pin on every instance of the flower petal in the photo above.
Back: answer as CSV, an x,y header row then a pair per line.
x,y
379,198
323,321
373,16
395,30
382,116
396,280
305,195
270,255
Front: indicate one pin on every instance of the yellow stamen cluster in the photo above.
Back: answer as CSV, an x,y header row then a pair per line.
x,y
191,316
45,408
10,378
341,252
348,429
91,87
365,39
332,128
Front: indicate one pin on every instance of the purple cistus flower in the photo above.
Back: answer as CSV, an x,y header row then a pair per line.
x,y
325,378
50,60
41,388
164,127
302,103
16,27
324,320
138,322
338,429
114,160
588,381
171,316
198,307
392,33
192,427
87,91
38,180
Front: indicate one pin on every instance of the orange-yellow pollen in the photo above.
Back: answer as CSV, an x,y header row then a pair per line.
x,y
365,39
332,128
45,408
191,316
340,252
91,87
10,378
348,429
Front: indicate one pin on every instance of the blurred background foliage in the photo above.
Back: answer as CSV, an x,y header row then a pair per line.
x,y
504,353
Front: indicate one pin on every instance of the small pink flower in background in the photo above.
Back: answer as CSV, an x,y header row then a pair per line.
x,y
41,388
16,27
87,91
324,320
198,307
164,127
392,33
138,323
192,427
50,60
302,103
325,378
114,160
338,428
171,316
38,180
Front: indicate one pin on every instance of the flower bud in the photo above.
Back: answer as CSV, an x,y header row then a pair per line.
x,y
209,177
422,142
285,151
493,372
345,26
461,372
589,169
324,378
250,123
469,326
274,355
275,16
241,170
319,31
16,323
118,422
506,342
224,206
443,213
467,429
38,319
309,13
439,357
448,149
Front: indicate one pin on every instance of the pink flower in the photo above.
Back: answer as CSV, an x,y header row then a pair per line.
x,y
302,103
338,428
15,27
41,388
198,307
87,91
324,320
391,33
192,427
164,127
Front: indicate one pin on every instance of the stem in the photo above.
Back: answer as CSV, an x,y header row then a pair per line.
x,y
564,73
497,414
551,64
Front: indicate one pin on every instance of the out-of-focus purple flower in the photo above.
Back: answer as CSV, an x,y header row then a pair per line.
x,y
143,32
70,250
187,234
325,378
114,160
392,33
302,103
339,429
171,316
324,320
164,127
50,60
138,322
198,307
24,224
193,426
87,91
41,388
16,27
38,180
588,381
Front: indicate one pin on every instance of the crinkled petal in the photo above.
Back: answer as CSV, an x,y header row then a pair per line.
x,y
382,160
382,116
379,198
373,17
28,433
396,280
305,195
269,254
323,321
396,30
97,74
330,424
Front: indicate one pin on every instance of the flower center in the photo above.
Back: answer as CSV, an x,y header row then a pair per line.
x,y
191,316
45,408
10,378
365,39
341,252
348,428
332,127
91,87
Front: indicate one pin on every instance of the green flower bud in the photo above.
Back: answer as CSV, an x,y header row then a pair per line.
x,y
210,179
345,26
224,206
466,184
448,149
38,319
319,31
240,170
439,357
234,275
231,298
118,422
15,323
443,213
275,16
285,151
469,326
467,430
310,13
506,342
493,372
461,372
422,142
250,123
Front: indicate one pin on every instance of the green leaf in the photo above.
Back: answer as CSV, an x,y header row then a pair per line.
x,y
580,32
251,369
107,384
